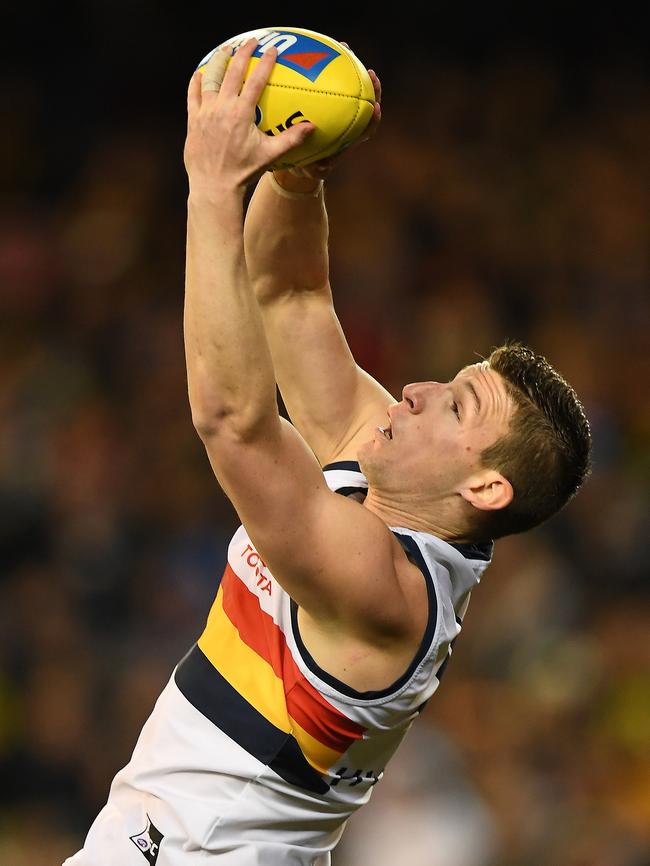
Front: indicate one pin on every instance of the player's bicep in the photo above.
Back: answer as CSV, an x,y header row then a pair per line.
x,y
329,553
328,397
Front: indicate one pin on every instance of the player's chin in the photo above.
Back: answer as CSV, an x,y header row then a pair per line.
x,y
364,452
371,454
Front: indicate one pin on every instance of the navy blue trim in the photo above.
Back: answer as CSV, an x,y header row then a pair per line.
x,y
482,552
352,465
213,696
346,491
432,621
291,765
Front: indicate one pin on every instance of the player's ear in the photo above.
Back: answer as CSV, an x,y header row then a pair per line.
x,y
487,491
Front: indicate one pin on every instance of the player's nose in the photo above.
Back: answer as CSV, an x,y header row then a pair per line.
x,y
415,394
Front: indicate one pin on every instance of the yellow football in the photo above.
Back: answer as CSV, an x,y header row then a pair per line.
x,y
316,79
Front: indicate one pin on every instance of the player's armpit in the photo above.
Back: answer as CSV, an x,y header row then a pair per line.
x,y
335,558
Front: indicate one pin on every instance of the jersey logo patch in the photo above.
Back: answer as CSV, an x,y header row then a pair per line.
x,y
148,841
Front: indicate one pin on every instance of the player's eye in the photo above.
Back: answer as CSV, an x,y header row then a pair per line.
x,y
454,409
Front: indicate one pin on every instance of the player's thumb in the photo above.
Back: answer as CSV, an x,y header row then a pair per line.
x,y
292,137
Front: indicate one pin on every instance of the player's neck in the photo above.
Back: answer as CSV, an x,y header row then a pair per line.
x,y
440,524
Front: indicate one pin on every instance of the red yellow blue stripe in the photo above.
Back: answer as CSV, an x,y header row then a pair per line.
x,y
249,650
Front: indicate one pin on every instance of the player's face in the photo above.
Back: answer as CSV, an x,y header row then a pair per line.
x,y
437,434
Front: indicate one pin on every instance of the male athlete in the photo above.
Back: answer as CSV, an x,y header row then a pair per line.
x,y
367,522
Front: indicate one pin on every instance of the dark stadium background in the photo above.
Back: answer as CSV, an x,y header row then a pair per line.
x,y
505,196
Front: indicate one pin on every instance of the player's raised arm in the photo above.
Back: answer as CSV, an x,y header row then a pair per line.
x,y
264,466
331,401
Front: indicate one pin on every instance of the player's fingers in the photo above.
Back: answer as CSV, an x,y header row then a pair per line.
x,y
232,82
194,94
375,120
256,81
287,140
214,71
376,83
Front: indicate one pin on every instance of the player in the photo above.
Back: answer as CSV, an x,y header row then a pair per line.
x,y
346,585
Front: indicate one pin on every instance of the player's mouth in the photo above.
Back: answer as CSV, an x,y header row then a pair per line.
x,y
386,431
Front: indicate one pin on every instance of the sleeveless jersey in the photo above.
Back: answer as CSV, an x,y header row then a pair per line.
x,y
252,749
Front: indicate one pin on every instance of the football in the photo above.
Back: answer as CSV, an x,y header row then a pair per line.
x,y
315,78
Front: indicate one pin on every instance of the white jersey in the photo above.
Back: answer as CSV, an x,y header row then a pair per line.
x,y
255,753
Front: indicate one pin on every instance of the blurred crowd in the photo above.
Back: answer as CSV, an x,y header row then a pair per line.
x,y
494,203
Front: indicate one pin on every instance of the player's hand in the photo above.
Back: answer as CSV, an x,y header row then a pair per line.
x,y
320,170
224,149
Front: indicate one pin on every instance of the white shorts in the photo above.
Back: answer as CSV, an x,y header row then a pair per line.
x,y
190,793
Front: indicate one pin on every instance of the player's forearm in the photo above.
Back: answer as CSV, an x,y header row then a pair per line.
x,y
229,368
286,240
